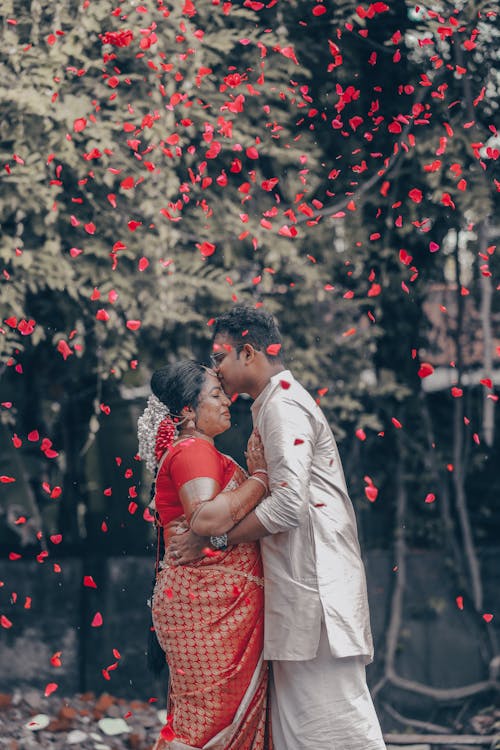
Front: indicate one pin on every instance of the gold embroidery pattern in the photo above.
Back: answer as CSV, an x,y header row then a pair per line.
x,y
209,619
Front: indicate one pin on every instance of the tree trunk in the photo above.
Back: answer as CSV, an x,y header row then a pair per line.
x,y
486,288
458,474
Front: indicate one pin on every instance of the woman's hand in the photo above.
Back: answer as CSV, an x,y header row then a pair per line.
x,y
255,453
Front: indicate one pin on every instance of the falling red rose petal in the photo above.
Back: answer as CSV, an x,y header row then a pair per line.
x,y
167,733
425,370
206,248
50,688
120,38
273,349
55,659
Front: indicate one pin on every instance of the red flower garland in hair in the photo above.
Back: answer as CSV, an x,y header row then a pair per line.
x,y
165,437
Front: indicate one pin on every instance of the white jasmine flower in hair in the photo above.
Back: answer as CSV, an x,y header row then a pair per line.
x,y
147,429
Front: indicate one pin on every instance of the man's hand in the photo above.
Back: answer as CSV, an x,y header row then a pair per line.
x,y
186,547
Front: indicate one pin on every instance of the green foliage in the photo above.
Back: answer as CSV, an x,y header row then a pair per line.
x,y
320,156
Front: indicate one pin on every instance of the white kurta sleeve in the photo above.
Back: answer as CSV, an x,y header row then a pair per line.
x,y
287,432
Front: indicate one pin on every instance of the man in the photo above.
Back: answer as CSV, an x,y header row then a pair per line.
x,y
317,629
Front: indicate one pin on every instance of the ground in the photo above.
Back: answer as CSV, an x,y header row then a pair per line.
x,y
28,720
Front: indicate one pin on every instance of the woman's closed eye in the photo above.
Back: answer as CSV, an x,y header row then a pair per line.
x,y
218,393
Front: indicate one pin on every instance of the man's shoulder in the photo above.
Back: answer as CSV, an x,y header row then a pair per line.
x,y
289,393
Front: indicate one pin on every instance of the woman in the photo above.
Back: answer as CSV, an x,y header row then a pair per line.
x,y
208,616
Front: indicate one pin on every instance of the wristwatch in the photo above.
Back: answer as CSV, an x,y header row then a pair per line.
x,y
219,542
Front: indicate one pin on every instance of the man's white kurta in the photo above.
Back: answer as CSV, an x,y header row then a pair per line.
x,y
312,563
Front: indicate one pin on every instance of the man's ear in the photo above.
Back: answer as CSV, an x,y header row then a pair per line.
x,y
249,353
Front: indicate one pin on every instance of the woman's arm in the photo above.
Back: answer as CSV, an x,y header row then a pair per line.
x,y
211,511
215,516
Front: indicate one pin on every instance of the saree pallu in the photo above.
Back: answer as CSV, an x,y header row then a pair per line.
x,y
209,619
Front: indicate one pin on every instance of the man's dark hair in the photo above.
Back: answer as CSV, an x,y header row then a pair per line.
x,y
248,325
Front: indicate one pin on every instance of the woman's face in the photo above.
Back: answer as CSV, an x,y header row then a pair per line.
x,y
212,412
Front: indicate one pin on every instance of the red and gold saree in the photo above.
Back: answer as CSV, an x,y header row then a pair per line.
x,y
209,618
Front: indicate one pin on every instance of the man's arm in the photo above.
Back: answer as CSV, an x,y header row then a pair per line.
x,y
288,441
247,530
287,431
188,547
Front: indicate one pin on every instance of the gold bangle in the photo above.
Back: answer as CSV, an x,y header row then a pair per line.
x,y
260,481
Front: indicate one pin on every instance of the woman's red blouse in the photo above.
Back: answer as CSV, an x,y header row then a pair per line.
x,y
189,459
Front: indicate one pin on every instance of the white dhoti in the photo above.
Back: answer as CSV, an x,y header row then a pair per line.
x,y
323,704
